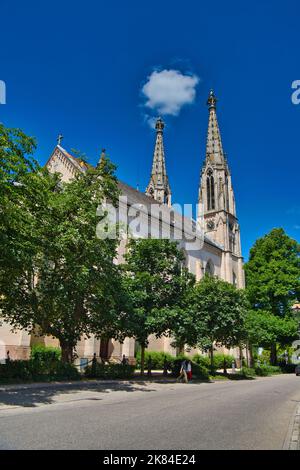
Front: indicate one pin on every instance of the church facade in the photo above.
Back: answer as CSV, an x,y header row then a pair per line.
x,y
214,249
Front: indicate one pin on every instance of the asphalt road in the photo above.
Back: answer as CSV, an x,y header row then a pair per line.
x,y
249,414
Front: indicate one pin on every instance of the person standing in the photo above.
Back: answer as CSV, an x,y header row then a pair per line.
x,y
183,374
189,370
124,360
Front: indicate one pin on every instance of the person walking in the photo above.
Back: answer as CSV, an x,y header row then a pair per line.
x,y
183,375
189,370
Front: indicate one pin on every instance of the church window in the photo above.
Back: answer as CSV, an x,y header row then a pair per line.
x,y
234,278
226,192
210,190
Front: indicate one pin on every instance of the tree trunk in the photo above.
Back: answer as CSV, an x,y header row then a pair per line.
x,y
247,354
273,355
251,361
142,359
66,352
212,358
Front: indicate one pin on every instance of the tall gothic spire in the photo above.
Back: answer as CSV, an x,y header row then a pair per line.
x,y
216,208
158,186
214,149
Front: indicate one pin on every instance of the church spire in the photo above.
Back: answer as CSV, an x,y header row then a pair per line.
x,y
214,148
158,186
216,209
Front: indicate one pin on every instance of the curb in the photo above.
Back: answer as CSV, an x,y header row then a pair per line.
x,y
292,441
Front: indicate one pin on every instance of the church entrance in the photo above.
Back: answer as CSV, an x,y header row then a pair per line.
x,y
105,349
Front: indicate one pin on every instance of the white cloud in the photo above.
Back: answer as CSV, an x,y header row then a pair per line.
x,y
167,91
151,120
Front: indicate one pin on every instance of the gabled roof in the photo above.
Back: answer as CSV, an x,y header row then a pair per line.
x,y
133,195
79,164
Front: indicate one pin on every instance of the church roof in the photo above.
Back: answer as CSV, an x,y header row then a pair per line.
x,y
137,197
134,196
77,162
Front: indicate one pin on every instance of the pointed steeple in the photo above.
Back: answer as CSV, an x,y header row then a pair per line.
x,y
214,148
158,186
216,209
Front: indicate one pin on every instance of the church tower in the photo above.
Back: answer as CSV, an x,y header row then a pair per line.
x,y
158,186
216,204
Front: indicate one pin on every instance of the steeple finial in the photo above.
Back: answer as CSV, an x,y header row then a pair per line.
x,y
159,125
211,100
158,186
59,139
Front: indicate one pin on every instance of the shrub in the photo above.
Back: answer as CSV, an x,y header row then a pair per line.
x,y
201,360
109,371
15,370
265,370
157,359
35,371
65,371
220,358
218,361
246,372
45,353
287,368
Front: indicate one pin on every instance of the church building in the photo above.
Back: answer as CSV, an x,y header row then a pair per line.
x,y
215,250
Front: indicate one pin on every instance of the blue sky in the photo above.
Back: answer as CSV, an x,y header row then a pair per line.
x,y
79,68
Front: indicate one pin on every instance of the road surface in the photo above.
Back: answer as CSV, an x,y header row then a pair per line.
x,y
247,414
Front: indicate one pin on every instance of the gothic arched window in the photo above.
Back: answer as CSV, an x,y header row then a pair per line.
x,y
210,190
234,278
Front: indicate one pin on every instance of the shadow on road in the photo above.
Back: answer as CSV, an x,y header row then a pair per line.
x,y
33,397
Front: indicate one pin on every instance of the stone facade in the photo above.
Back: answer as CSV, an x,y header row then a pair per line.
x,y
215,250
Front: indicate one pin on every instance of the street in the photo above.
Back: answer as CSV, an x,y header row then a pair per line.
x,y
246,414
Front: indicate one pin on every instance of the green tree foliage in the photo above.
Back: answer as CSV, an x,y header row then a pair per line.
x,y
64,282
18,189
155,281
264,328
273,284
218,310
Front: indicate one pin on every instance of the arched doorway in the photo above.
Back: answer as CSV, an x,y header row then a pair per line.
x,y
106,348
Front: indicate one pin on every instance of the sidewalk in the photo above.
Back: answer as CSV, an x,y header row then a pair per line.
x,y
293,441
79,383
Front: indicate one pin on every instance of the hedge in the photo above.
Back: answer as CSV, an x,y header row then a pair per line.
x,y
157,359
265,370
109,371
218,361
44,354
36,371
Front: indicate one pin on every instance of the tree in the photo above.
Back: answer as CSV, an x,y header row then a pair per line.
x,y
18,188
273,284
218,310
70,286
155,281
263,329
